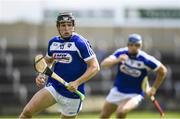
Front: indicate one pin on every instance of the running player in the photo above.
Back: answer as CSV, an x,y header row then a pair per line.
x,y
133,66
73,60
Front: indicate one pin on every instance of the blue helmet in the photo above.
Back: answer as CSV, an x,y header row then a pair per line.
x,y
135,39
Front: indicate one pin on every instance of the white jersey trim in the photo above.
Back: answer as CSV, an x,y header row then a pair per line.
x,y
112,57
88,58
151,58
120,50
66,48
90,51
55,46
157,67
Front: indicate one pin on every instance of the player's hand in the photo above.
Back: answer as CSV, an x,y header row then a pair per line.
x,y
151,91
40,80
72,86
122,58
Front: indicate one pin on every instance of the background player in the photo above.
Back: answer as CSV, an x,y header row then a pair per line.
x,y
74,61
133,66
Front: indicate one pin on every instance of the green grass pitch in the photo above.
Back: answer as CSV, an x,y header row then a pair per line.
x,y
131,115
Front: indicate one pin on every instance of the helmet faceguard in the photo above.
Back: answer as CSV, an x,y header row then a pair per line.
x,y
65,17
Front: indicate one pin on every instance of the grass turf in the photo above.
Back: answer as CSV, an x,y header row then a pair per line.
x,y
131,115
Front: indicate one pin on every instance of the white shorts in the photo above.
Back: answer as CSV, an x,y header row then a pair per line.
x,y
116,97
67,106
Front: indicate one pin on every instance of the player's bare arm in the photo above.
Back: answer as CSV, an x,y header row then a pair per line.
x,y
41,78
110,61
161,73
93,69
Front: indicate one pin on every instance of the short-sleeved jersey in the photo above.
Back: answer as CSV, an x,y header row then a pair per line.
x,y
132,72
70,56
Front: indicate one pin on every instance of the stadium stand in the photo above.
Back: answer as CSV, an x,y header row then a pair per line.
x,y
17,84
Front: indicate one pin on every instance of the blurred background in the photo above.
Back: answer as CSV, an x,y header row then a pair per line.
x,y
27,25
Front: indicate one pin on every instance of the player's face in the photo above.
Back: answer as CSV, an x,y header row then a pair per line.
x,y
133,48
65,29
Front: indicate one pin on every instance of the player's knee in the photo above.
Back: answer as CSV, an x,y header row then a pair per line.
x,y
104,114
27,113
124,110
120,115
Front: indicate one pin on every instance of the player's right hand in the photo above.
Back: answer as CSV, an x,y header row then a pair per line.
x,y
122,58
151,91
40,80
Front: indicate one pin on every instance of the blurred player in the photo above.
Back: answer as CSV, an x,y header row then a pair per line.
x,y
133,66
74,61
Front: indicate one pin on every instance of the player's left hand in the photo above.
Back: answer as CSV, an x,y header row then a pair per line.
x,y
151,91
122,58
72,86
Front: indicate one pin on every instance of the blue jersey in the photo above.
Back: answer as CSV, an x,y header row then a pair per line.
x,y
70,56
132,72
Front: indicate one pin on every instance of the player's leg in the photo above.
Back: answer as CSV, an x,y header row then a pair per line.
x,y
41,100
68,107
120,114
110,105
107,110
127,105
